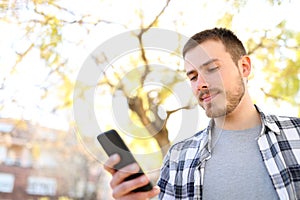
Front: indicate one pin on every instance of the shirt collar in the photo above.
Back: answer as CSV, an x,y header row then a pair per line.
x,y
268,121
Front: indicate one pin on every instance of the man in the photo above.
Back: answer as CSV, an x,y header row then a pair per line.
x,y
242,154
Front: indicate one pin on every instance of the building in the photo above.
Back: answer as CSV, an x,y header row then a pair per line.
x,y
38,162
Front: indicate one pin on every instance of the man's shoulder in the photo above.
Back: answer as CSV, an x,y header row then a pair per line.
x,y
272,117
278,122
188,148
190,142
282,122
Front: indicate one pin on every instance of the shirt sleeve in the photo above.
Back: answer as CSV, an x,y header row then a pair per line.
x,y
166,188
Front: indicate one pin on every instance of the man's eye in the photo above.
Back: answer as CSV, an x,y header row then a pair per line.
x,y
212,68
193,78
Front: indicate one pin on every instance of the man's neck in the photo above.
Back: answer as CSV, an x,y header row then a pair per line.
x,y
245,116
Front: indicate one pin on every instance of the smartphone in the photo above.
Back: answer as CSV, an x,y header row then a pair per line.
x,y
112,143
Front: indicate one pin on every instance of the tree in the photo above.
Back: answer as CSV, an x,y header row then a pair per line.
x,y
47,27
278,51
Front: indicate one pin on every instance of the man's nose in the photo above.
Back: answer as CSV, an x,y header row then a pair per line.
x,y
201,82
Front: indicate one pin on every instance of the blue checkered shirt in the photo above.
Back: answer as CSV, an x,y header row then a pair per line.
x,y
279,143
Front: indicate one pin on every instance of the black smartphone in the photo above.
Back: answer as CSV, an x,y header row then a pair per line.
x,y
112,143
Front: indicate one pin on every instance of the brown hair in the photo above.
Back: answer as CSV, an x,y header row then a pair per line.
x,y
231,42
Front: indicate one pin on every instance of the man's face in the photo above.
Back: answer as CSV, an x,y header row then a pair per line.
x,y
215,79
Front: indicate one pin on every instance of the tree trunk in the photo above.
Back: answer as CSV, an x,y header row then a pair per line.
x,y
157,128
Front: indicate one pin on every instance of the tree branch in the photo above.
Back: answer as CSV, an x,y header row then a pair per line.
x,y
182,108
275,97
257,46
157,17
140,38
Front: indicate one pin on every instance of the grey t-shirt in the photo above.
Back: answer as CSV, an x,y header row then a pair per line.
x,y
236,169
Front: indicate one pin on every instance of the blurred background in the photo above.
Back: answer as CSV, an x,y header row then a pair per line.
x,y
43,46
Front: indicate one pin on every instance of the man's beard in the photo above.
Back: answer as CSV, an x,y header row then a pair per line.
x,y
232,99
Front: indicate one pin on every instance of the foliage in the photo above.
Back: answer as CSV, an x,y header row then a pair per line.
x,y
43,24
280,57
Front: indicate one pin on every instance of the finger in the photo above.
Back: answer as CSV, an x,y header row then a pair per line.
x,y
142,195
120,175
128,186
111,162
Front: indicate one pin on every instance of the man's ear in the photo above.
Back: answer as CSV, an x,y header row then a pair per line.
x,y
245,65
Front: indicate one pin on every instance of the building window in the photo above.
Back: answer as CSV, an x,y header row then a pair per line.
x,y
3,153
26,158
6,128
6,182
41,186
13,156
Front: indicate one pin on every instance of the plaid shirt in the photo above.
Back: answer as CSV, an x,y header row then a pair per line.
x,y
279,143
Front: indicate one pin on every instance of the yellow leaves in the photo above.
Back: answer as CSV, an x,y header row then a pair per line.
x,y
135,119
65,90
283,76
155,23
226,20
147,153
36,151
287,83
131,82
50,38
38,1
64,198
277,55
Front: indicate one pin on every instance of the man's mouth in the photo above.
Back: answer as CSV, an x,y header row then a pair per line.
x,y
207,97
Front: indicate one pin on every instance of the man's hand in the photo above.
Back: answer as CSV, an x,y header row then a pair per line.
x,y
122,189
